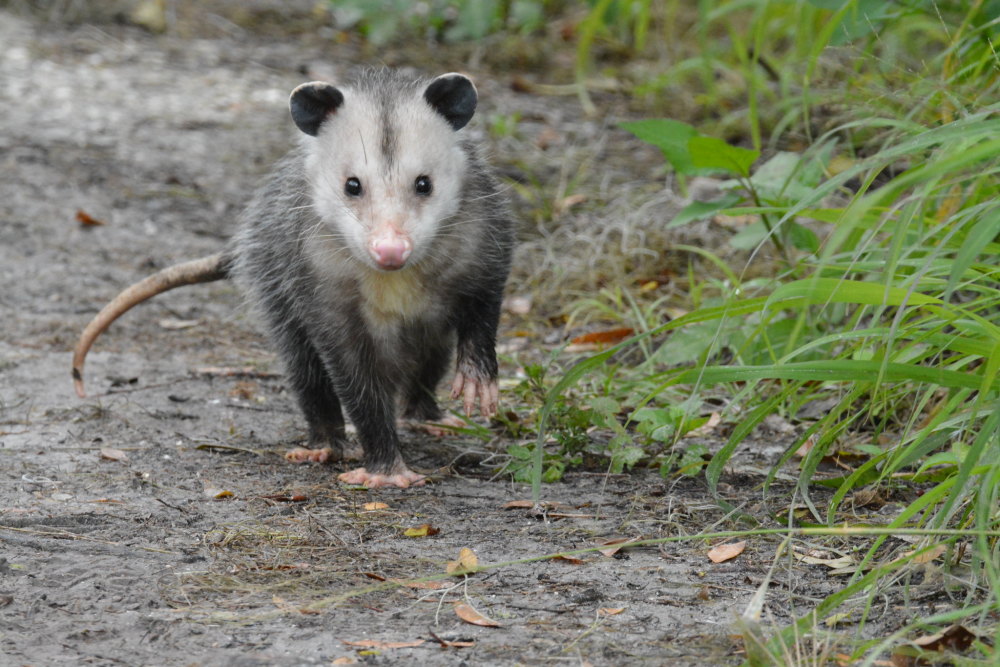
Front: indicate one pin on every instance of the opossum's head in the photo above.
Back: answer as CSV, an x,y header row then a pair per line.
x,y
385,161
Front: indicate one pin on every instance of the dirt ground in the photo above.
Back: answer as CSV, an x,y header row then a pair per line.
x,y
156,522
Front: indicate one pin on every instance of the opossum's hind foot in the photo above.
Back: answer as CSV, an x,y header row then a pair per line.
x,y
439,427
423,414
470,387
304,455
345,452
403,478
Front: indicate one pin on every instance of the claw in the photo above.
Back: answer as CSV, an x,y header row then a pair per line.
x,y
470,387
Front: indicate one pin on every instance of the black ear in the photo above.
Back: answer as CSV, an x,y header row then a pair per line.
x,y
454,97
311,103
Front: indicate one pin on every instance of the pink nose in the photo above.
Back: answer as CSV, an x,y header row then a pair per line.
x,y
390,253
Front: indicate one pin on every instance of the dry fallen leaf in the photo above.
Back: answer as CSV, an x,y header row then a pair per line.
x,y
561,206
445,643
867,498
111,454
423,585
86,220
572,560
467,562
519,504
423,530
929,555
371,507
602,338
707,428
820,558
469,615
613,546
610,611
954,637
724,552
806,447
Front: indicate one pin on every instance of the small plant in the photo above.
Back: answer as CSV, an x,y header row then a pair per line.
x,y
593,435
784,181
444,20
885,305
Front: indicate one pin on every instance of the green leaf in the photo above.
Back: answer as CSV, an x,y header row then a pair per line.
x,y
979,236
624,457
750,236
791,177
475,20
670,136
801,237
776,177
693,460
699,210
519,452
689,425
658,424
835,290
553,473
605,405
693,341
712,153
835,370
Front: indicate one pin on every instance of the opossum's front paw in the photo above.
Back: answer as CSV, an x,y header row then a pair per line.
x,y
469,387
303,455
373,480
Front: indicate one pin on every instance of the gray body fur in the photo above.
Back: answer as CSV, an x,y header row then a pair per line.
x,y
356,339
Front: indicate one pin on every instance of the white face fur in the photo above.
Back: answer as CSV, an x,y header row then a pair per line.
x,y
369,168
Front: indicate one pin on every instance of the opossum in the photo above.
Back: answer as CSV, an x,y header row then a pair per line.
x,y
373,251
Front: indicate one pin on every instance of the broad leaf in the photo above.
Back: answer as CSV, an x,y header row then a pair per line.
x,y
670,136
699,210
712,153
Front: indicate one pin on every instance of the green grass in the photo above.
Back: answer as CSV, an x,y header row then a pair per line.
x,y
861,140
885,301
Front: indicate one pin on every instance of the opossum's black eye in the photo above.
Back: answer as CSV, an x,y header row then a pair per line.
x,y
353,187
423,185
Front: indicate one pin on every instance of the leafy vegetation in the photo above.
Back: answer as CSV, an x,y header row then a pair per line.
x,y
856,146
449,20
886,303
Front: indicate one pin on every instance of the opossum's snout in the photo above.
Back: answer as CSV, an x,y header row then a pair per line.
x,y
390,248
